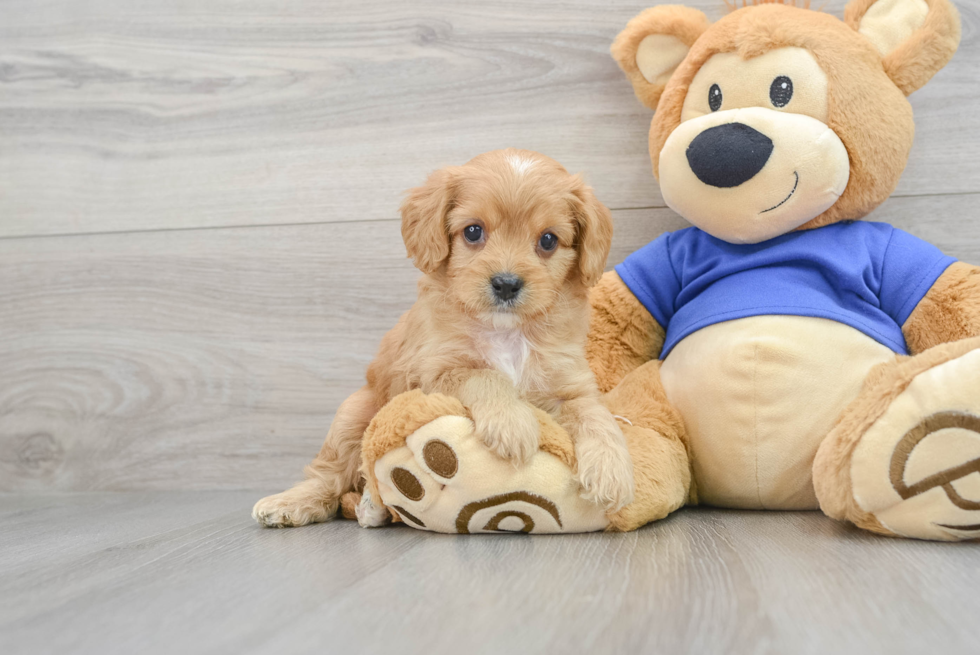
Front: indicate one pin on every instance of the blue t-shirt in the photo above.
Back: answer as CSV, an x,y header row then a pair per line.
x,y
866,275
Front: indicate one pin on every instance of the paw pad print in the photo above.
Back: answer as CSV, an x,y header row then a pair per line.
x,y
902,465
916,469
407,484
445,479
440,457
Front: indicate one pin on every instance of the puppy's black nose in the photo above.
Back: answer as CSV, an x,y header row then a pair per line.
x,y
728,155
506,285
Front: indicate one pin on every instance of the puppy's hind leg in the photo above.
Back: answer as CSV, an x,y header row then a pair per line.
x,y
334,471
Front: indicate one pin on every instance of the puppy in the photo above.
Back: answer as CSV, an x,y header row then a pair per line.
x,y
509,244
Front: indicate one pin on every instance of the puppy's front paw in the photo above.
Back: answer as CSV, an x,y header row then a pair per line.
x,y
605,471
512,431
370,515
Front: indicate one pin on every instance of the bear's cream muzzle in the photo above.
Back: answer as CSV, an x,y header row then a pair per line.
x,y
751,174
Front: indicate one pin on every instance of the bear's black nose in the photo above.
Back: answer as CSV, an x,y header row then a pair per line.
x,y
728,155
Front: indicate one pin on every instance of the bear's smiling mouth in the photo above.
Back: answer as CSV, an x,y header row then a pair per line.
x,y
795,184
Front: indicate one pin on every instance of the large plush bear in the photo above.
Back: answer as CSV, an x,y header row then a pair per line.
x,y
779,354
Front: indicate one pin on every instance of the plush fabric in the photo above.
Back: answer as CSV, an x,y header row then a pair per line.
x,y
658,445
916,468
445,479
780,359
622,333
833,465
913,62
869,276
739,189
758,395
866,109
684,24
410,441
949,312
887,24
738,82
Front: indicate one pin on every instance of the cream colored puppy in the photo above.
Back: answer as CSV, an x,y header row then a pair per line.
x,y
509,244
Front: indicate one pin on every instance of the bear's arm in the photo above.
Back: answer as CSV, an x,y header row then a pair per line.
x,y
622,333
950,310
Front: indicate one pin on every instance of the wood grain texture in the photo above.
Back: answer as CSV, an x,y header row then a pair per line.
x,y
190,573
225,177
214,359
121,116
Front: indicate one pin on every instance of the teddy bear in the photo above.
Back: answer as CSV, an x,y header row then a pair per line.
x,y
780,353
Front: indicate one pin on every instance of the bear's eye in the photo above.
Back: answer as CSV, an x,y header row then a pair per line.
x,y
781,91
714,97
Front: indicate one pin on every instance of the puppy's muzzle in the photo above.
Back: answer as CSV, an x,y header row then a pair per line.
x,y
506,286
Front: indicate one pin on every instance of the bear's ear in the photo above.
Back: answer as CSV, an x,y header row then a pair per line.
x,y
653,44
915,37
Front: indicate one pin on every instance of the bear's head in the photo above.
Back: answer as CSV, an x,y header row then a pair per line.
x,y
777,118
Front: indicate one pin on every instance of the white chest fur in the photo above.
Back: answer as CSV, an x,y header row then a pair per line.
x,y
507,350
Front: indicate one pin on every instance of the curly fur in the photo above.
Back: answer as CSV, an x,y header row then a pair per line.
x,y
504,364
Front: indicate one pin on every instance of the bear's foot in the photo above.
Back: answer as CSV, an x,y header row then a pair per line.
x,y
914,463
445,479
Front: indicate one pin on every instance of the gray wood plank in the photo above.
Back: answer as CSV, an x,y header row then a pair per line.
x,y
151,354
129,566
206,359
190,573
700,582
122,116
248,327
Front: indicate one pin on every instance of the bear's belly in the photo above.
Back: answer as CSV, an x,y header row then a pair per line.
x,y
757,396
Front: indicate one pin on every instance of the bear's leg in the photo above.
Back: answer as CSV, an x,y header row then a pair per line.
x,y
904,460
425,461
656,441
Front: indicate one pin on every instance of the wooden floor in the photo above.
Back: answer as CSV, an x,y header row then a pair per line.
x,y
189,573
199,251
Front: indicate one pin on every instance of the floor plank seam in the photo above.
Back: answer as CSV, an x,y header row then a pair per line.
x,y
202,228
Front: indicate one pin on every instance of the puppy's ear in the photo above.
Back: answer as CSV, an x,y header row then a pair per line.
x,y
424,216
916,38
653,44
594,232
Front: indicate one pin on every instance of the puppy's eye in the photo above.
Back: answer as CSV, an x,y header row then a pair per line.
x,y
548,242
473,233
780,91
714,97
